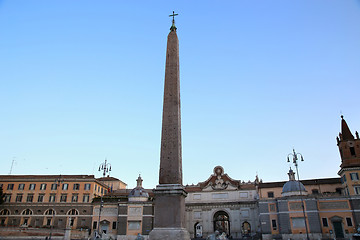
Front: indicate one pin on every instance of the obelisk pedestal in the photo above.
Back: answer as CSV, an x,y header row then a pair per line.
x,y
169,199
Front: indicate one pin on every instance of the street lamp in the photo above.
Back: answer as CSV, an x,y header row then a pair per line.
x,y
294,156
58,182
105,167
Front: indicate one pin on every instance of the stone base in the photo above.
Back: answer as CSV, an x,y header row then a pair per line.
x,y
169,233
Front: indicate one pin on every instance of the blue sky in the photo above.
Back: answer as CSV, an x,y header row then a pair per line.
x,y
81,81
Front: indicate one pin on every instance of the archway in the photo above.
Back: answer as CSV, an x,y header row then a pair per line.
x,y
338,226
72,219
246,228
49,217
26,217
198,230
104,226
222,222
4,213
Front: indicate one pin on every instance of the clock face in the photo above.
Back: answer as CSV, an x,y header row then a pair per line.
x,y
350,144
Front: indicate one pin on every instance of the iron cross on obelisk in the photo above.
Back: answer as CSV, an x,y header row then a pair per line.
x,y
173,21
173,15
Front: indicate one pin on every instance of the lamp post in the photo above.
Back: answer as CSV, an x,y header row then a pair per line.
x,y
295,158
57,181
105,167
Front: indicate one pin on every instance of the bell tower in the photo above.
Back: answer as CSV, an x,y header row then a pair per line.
x,y
349,148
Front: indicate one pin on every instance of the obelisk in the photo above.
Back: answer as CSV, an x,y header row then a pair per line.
x,y
170,195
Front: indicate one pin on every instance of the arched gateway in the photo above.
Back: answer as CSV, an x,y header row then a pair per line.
x,y
222,222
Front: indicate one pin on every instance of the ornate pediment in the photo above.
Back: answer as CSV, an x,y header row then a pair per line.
x,y
219,181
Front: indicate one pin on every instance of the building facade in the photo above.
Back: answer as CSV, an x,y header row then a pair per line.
x,y
124,213
222,204
317,208
55,202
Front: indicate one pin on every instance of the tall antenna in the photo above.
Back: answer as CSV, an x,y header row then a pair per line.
x,y
12,165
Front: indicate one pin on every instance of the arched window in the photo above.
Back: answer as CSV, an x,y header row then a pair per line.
x,y
5,212
27,212
50,212
73,212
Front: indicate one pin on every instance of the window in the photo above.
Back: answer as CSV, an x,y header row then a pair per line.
x,y
65,186
52,198
7,198
41,197
352,151
29,197
298,222
74,198
27,212
220,196
270,194
197,215
114,225
32,186
134,225
87,186
354,176
94,224
273,224
349,222
21,186
43,186
10,186
50,212
346,191
244,213
63,197
48,221
73,212
26,220
54,186
344,179
76,186
86,198
197,196
95,187
357,190
18,198
102,190
243,194
5,212
315,191
325,222
272,207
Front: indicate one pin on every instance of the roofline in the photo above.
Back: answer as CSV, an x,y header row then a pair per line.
x,y
45,177
304,182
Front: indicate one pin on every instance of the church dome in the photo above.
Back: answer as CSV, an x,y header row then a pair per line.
x,y
293,187
138,193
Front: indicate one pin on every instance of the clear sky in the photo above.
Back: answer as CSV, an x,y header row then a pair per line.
x,y
81,81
